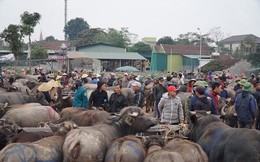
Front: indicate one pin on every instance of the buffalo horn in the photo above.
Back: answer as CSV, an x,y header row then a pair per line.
x,y
223,111
134,114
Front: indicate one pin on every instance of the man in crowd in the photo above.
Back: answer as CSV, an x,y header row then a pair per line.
x,y
257,97
98,98
158,91
138,98
117,100
245,105
80,99
214,92
170,107
203,102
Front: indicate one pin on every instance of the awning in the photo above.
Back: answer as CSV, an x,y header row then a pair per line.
x,y
106,55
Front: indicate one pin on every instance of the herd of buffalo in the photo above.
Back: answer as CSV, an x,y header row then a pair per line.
x,y
32,131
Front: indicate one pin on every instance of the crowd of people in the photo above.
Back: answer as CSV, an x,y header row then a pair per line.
x,y
204,92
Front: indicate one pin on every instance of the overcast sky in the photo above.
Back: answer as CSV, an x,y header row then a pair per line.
x,y
146,18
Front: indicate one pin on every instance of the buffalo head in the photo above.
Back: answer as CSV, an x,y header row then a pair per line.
x,y
134,120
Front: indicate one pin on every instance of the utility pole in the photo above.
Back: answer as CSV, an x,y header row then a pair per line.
x,y
65,36
200,51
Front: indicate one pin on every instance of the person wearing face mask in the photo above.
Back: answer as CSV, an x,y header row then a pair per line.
x,y
80,99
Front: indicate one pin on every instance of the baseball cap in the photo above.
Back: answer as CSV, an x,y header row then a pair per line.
x,y
172,88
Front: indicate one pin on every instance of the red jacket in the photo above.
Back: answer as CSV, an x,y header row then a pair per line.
x,y
214,96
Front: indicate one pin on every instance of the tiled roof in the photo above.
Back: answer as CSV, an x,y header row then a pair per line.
x,y
224,61
52,45
240,38
184,49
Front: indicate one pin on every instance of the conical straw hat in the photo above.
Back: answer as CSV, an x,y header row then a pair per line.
x,y
44,87
53,83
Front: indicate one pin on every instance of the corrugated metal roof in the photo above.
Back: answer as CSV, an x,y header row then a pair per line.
x,y
196,56
106,55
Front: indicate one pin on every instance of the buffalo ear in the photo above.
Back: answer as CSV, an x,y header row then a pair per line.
x,y
193,118
129,120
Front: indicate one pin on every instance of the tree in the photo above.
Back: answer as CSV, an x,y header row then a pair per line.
x,y
141,48
13,35
216,34
122,38
75,26
50,38
88,36
254,59
165,40
29,21
38,52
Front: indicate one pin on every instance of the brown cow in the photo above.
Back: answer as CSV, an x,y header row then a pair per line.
x,y
83,117
47,149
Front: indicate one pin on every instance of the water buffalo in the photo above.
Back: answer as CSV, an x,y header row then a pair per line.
x,y
83,117
30,115
46,149
124,149
229,115
91,143
156,152
20,98
223,143
190,151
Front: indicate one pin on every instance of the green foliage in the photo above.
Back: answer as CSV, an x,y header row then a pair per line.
x,y
38,52
165,40
121,38
75,26
254,59
141,48
90,36
13,35
215,65
50,38
29,21
192,38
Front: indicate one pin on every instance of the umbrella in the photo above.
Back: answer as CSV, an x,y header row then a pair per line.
x,y
127,68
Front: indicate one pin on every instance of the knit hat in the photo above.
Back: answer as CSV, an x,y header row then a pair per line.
x,y
44,87
247,86
242,82
172,88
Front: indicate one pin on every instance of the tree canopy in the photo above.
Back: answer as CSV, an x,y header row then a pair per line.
x,y
75,26
141,48
165,40
38,52
50,38
14,36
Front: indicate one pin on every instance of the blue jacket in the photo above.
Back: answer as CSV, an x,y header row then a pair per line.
x,y
80,98
245,105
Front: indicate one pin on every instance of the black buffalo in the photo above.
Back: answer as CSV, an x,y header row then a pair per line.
x,y
223,143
